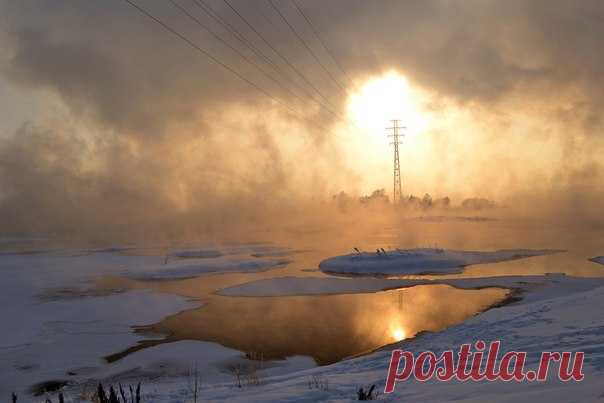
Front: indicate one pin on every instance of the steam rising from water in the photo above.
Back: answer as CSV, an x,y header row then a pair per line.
x,y
138,137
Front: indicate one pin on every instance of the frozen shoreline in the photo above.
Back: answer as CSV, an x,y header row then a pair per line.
x,y
560,314
305,286
56,326
47,342
555,312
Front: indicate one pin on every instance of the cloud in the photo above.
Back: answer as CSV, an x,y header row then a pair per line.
x,y
156,133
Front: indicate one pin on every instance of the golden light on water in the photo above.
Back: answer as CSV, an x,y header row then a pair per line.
x,y
398,334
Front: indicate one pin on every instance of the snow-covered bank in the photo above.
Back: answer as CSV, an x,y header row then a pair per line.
x,y
43,340
197,266
59,327
419,261
298,286
179,360
188,263
549,323
54,322
196,254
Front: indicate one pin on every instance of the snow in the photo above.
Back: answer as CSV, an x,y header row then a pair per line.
x,y
180,359
598,259
566,321
40,339
193,267
298,286
199,254
182,264
273,252
54,321
419,261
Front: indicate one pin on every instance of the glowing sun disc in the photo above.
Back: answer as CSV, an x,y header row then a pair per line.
x,y
386,97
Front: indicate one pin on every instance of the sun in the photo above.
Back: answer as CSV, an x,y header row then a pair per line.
x,y
383,98
363,138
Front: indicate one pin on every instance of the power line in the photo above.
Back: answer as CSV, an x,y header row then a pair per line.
x,y
277,52
315,31
194,46
306,45
244,57
241,37
234,31
211,57
302,40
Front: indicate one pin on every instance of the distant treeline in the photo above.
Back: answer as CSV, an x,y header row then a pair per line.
x,y
379,196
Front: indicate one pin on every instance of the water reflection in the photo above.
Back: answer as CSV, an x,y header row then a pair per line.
x,y
327,328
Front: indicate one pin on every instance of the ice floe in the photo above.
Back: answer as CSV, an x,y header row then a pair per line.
x,y
419,261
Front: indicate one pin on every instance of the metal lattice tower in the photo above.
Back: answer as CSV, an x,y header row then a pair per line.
x,y
396,140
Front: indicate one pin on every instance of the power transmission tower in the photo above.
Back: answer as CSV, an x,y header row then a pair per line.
x,y
396,140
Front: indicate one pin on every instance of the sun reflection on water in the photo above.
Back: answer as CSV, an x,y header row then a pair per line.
x,y
398,333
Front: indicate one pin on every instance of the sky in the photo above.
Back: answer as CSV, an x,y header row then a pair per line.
x,y
211,112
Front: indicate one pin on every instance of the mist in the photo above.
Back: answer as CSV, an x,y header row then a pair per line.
x,y
138,135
